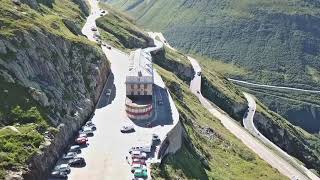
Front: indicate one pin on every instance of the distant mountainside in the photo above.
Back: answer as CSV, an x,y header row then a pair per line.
x,y
268,42
276,42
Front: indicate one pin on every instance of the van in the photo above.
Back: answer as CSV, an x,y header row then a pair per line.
x,y
146,149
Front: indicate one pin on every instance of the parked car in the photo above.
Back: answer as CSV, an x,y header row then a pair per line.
x,y
109,47
78,161
155,137
82,135
93,29
134,167
69,155
75,148
103,11
127,129
90,125
138,161
81,141
140,173
63,168
108,92
59,174
86,130
138,155
199,73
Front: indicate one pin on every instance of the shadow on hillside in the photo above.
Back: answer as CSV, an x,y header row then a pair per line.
x,y
106,98
185,160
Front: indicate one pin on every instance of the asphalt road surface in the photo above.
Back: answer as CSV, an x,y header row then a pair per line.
x,y
273,87
249,125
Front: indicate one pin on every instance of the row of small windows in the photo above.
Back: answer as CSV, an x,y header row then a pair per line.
x,y
139,93
144,110
145,86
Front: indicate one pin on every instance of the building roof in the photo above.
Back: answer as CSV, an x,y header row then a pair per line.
x,y
140,67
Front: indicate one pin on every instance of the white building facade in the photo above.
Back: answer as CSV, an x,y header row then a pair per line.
x,y
139,85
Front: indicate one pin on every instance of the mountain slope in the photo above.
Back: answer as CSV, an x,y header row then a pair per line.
x,y
50,79
276,41
206,137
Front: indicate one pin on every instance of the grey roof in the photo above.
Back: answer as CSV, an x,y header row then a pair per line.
x,y
140,67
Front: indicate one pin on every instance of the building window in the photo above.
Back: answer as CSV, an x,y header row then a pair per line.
x,y
145,92
132,93
145,86
138,86
132,86
138,92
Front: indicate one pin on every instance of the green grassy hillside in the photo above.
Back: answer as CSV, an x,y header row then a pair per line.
x,y
24,121
226,156
175,69
268,42
275,41
210,151
120,31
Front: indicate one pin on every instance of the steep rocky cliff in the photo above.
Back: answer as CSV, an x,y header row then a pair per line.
x,y
289,138
175,62
51,67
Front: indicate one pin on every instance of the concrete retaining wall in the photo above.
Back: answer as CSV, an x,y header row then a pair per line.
x,y
172,143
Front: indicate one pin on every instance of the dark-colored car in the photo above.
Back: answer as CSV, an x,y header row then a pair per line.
x,y
78,161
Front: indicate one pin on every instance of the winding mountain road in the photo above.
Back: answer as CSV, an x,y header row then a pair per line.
x,y
260,149
249,125
273,87
250,140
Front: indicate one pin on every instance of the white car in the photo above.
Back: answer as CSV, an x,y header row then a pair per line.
x,y
127,129
70,155
74,148
63,168
139,154
86,130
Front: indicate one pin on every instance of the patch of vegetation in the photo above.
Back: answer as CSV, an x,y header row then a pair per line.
x,y
119,31
22,140
223,155
15,19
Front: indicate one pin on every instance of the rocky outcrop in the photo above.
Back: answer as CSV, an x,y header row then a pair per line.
x,y
183,71
213,93
84,6
289,139
72,26
65,77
